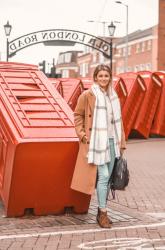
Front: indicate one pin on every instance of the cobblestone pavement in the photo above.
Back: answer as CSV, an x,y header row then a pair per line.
x,y
138,213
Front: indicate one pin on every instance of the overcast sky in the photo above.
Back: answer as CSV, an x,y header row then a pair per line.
x,y
34,15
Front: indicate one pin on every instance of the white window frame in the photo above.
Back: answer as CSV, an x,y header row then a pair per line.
x,y
65,73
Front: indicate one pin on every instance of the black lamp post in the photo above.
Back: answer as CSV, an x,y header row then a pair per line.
x,y
111,29
7,28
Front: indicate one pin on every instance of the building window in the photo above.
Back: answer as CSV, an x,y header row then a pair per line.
x,y
149,45
65,73
143,46
83,69
142,67
61,58
138,48
119,52
136,68
68,57
124,51
129,50
94,58
148,66
86,68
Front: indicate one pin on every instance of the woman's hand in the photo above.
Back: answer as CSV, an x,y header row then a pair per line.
x,y
84,139
121,151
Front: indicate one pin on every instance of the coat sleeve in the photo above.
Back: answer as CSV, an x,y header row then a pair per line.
x,y
79,117
123,142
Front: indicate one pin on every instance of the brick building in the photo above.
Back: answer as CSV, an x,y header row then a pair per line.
x,y
142,51
146,51
67,64
142,55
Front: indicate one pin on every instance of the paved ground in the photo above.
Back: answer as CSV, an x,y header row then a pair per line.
x,y
138,213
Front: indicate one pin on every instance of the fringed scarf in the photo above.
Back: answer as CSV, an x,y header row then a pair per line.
x,y
99,149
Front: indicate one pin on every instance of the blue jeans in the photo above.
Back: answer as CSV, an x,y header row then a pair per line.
x,y
104,174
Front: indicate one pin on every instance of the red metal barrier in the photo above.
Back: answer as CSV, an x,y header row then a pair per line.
x,y
38,144
58,85
149,104
136,89
158,125
86,82
72,89
120,87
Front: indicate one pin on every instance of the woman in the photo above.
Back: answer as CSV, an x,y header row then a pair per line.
x,y
99,126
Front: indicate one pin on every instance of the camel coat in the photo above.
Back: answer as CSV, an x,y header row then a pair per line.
x,y
84,176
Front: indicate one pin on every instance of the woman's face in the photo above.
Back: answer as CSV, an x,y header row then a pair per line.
x,y
103,79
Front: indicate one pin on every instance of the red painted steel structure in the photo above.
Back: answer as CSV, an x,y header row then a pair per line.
x,y
158,125
38,144
149,104
120,87
58,85
86,82
136,90
72,89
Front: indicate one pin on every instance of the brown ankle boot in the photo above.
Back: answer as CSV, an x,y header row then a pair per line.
x,y
98,213
103,219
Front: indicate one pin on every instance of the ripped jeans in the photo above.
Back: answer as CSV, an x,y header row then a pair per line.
x,y
104,174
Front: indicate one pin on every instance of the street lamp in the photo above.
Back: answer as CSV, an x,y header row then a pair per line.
x,y
111,29
126,38
103,22
7,28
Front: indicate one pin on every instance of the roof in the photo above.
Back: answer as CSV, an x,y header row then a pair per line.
x,y
136,35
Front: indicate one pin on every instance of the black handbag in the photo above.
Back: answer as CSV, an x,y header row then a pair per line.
x,y
120,175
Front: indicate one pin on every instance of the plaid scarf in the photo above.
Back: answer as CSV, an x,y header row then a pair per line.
x,y
99,149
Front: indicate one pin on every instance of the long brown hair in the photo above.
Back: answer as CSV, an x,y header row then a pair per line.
x,y
102,67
